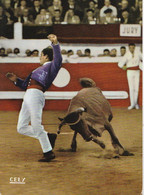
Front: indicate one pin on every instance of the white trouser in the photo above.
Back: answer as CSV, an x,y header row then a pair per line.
x,y
31,111
133,77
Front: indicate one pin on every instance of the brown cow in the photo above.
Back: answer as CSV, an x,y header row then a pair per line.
x,y
89,114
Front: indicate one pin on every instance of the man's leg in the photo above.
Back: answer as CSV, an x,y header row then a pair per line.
x,y
136,88
131,88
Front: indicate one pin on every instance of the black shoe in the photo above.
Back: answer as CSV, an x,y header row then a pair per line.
x,y
48,156
52,138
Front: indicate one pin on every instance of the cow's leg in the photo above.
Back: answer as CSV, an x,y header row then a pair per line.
x,y
74,142
115,142
100,143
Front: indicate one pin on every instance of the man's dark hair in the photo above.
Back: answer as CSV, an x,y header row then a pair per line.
x,y
49,52
131,44
123,47
87,50
90,10
106,50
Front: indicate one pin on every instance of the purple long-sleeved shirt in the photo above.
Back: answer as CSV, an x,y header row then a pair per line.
x,y
46,73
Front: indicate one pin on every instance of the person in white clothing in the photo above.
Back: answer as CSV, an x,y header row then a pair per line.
x,y
107,4
131,62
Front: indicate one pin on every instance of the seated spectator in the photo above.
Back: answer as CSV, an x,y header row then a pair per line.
x,y
113,53
89,19
139,13
63,52
8,51
3,52
9,12
35,53
28,53
70,53
57,18
16,53
72,4
43,18
87,53
69,17
19,10
79,53
26,18
125,19
106,52
125,7
9,19
108,18
3,17
107,4
93,6
122,50
75,20
35,10
14,4
56,6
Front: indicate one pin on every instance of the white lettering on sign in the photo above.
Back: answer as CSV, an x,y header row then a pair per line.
x,y
130,30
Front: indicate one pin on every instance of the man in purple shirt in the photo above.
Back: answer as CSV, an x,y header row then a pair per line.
x,y
35,84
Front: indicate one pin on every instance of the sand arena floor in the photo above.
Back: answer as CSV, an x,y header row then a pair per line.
x,y
79,173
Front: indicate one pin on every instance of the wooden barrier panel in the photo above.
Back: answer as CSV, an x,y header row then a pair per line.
x,y
108,77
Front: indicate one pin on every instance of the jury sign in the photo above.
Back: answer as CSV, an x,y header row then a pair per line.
x,y
130,30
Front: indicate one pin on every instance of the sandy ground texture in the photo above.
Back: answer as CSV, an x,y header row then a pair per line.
x,y
85,172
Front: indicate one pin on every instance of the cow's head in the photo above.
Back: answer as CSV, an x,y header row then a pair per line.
x,y
75,121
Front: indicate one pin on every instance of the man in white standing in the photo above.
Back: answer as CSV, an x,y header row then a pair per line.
x,y
36,83
131,62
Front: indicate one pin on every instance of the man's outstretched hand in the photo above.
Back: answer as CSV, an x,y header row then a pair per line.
x,y
11,76
53,39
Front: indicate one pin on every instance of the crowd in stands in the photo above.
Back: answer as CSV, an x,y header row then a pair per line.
x,y
48,12
67,54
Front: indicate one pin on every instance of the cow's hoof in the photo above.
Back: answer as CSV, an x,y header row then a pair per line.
x,y
127,153
73,149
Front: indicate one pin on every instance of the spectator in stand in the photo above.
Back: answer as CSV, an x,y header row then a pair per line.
x,y
70,53
93,6
56,5
8,51
9,12
89,19
26,18
125,7
3,18
87,53
43,18
19,10
63,52
14,4
35,10
57,18
16,53
106,52
113,53
28,53
108,18
35,53
3,52
72,4
69,17
122,50
79,53
47,3
75,20
126,19
107,4
139,13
